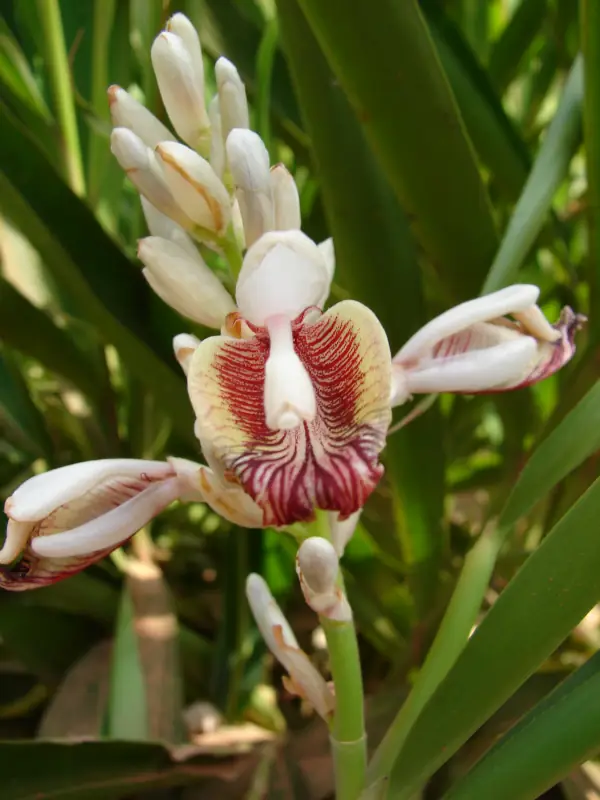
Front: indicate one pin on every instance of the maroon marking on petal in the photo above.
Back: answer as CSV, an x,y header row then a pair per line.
x,y
329,463
34,572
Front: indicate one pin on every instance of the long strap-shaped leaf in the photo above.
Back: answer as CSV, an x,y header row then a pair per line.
x,y
376,262
388,65
549,170
559,733
554,589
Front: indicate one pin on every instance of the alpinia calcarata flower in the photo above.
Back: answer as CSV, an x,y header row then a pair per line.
x,y
297,411
61,521
184,281
317,567
248,161
304,679
474,348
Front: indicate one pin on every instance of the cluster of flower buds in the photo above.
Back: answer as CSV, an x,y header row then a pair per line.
x,y
317,565
292,403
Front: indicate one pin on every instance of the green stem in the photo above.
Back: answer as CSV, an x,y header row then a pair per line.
x,y
348,739
60,79
449,642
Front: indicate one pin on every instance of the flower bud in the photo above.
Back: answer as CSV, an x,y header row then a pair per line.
x,y
67,518
184,282
233,104
248,161
126,112
317,567
195,186
179,72
286,201
164,227
184,347
305,680
139,162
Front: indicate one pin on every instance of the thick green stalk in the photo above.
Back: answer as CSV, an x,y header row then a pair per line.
x,y
60,80
348,739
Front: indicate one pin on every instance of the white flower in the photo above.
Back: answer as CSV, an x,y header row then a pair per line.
x,y
233,105
248,161
184,281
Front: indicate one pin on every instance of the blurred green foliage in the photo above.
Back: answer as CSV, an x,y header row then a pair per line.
x,y
447,146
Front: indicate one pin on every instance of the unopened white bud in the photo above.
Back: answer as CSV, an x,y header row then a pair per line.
x,y
317,566
248,160
232,97
127,112
286,201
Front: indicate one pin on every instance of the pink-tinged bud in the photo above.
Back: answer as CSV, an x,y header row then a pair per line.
x,y
195,186
184,281
232,97
65,519
248,161
139,162
127,112
304,679
317,567
286,201
179,72
474,348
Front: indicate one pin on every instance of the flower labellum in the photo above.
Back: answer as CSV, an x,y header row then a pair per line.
x,y
195,186
65,519
304,679
184,282
297,413
474,348
317,567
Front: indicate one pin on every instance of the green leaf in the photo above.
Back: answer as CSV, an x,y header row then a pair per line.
x,y
105,289
549,170
370,228
590,43
557,585
33,333
569,444
559,733
511,47
576,438
18,411
387,64
494,136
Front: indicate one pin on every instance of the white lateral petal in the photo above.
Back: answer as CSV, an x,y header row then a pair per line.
x,y
506,301
286,201
127,112
342,530
187,284
42,494
112,528
284,272
500,366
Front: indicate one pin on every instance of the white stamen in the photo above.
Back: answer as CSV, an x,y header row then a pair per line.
x,y
289,394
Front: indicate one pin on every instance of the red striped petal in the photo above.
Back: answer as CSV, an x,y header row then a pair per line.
x,y
331,462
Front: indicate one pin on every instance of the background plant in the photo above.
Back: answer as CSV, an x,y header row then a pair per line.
x,y
449,148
